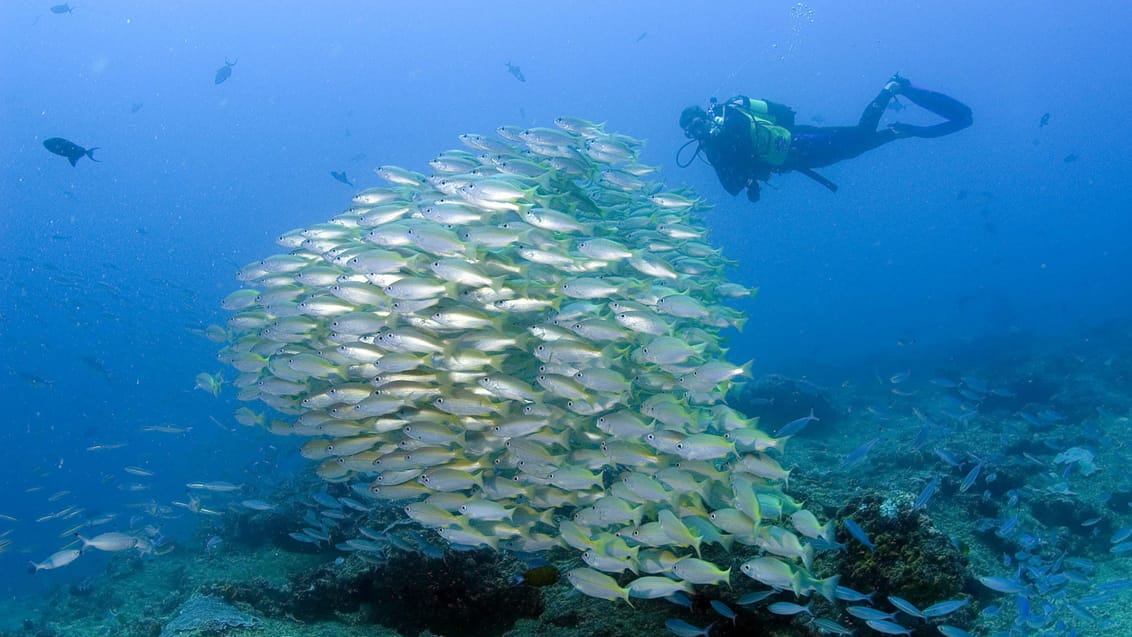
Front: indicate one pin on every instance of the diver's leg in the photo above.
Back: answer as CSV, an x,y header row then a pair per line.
x,y
957,114
818,147
873,112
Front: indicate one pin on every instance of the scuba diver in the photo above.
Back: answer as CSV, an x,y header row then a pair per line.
x,y
747,140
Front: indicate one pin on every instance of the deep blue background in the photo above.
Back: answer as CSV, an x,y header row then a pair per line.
x,y
930,245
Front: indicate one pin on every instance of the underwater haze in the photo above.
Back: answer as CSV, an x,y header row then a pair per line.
x,y
960,307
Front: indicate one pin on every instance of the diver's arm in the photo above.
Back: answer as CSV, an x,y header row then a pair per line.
x,y
753,191
733,181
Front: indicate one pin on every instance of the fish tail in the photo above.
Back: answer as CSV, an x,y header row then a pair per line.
x,y
89,153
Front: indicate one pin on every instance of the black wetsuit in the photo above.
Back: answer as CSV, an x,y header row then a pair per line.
x,y
731,152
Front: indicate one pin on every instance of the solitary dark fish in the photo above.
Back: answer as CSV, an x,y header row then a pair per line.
x,y
516,71
137,106
62,8
1070,158
72,151
341,177
538,577
1045,120
224,72
642,36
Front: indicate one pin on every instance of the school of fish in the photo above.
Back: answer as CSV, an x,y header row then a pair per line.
x,y
523,350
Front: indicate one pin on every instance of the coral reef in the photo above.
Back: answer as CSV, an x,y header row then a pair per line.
x,y
912,559
208,614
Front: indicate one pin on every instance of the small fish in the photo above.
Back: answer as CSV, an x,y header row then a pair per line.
x,y
900,377
60,9
925,496
110,542
258,505
887,627
754,598
215,487
595,584
846,594
72,151
788,608
224,72
641,36
209,383
167,429
56,560
969,479
829,626
1070,158
1044,121
537,577
795,426
516,71
724,609
341,176
106,447
906,606
945,608
1003,585
684,629
868,613
858,533
135,107
858,455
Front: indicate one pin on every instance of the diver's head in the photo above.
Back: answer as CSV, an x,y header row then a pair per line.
x,y
694,120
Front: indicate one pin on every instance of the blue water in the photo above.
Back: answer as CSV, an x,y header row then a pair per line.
x,y
109,270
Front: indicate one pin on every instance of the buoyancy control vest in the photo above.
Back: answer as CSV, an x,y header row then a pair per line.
x,y
771,141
